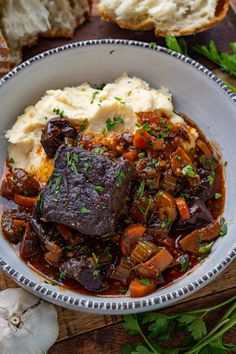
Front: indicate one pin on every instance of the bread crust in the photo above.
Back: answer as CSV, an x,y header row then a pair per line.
x,y
148,24
4,57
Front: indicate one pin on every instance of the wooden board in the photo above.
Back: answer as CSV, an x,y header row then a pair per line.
x,y
83,333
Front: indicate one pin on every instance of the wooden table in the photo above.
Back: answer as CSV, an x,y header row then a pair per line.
x,y
86,334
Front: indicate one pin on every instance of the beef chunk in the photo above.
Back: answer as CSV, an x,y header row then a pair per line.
x,y
84,271
199,216
55,133
87,191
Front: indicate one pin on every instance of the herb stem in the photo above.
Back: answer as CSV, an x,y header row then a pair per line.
x,y
144,337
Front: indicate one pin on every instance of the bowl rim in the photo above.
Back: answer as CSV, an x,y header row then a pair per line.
x,y
122,305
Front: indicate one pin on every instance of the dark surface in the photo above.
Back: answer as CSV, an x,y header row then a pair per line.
x,y
77,202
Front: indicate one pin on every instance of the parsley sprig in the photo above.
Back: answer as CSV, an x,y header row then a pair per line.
x,y
151,326
226,61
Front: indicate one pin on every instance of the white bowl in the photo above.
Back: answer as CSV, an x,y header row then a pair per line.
x,y
197,92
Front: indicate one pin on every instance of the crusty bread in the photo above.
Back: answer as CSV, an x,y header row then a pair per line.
x,y
4,56
166,17
23,21
65,16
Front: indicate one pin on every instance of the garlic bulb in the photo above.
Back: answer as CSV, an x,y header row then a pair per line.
x,y
28,325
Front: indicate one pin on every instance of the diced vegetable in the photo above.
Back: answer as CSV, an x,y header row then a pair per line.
x,y
182,166
18,227
141,139
138,289
169,183
64,231
130,238
143,251
28,202
166,207
154,266
204,148
54,254
192,242
182,208
130,155
122,271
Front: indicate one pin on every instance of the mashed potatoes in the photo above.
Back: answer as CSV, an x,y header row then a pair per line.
x,y
124,98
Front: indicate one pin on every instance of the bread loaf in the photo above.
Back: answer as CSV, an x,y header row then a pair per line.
x,y
4,56
166,17
23,21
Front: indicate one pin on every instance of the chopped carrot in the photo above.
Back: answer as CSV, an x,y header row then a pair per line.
x,y
151,116
130,155
130,238
204,148
64,231
28,202
191,242
155,265
182,208
139,289
180,159
141,139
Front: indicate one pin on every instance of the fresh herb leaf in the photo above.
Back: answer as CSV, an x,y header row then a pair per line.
x,y
86,167
224,227
196,325
58,112
206,247
218,196
145,281
98,150
11,161
95,257
184,263
100,86
94,96
62,276
179,46
84,210
71,162
188,171
99,188
141,189
113,124
119,178
163,135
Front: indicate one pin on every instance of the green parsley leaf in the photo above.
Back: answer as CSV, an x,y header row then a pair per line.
x,y
84,210
206,247
145,281
99,188
71,162
59,112
100,86
62,276
11,161
95,257
184,262
131,324
218,196
163,135
113,124
188,171
179,46
86,167
98,150
94,96
196,325
224,227
119,178
141,189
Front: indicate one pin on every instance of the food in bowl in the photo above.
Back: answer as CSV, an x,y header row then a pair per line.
x,y
108,191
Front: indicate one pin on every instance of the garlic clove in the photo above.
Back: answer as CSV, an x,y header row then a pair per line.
x,y
28,325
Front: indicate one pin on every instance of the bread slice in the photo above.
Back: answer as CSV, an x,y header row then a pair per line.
x,y
21,23
166,17
4,56
65,16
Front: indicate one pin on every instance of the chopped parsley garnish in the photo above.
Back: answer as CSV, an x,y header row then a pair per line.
x,y
165,224
141,189
98,150
163,135
99,188
188,171
218,196
146,127
59,112
185,195
111,124
95,257
119,178
129,93
62,276
145,281
177,157
84,210
141,155
11,161
145,211
206,247
71,162
41,201
26,192
184,262
94,96
100,86
83,125
224,227
86,167
55,184
96,272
